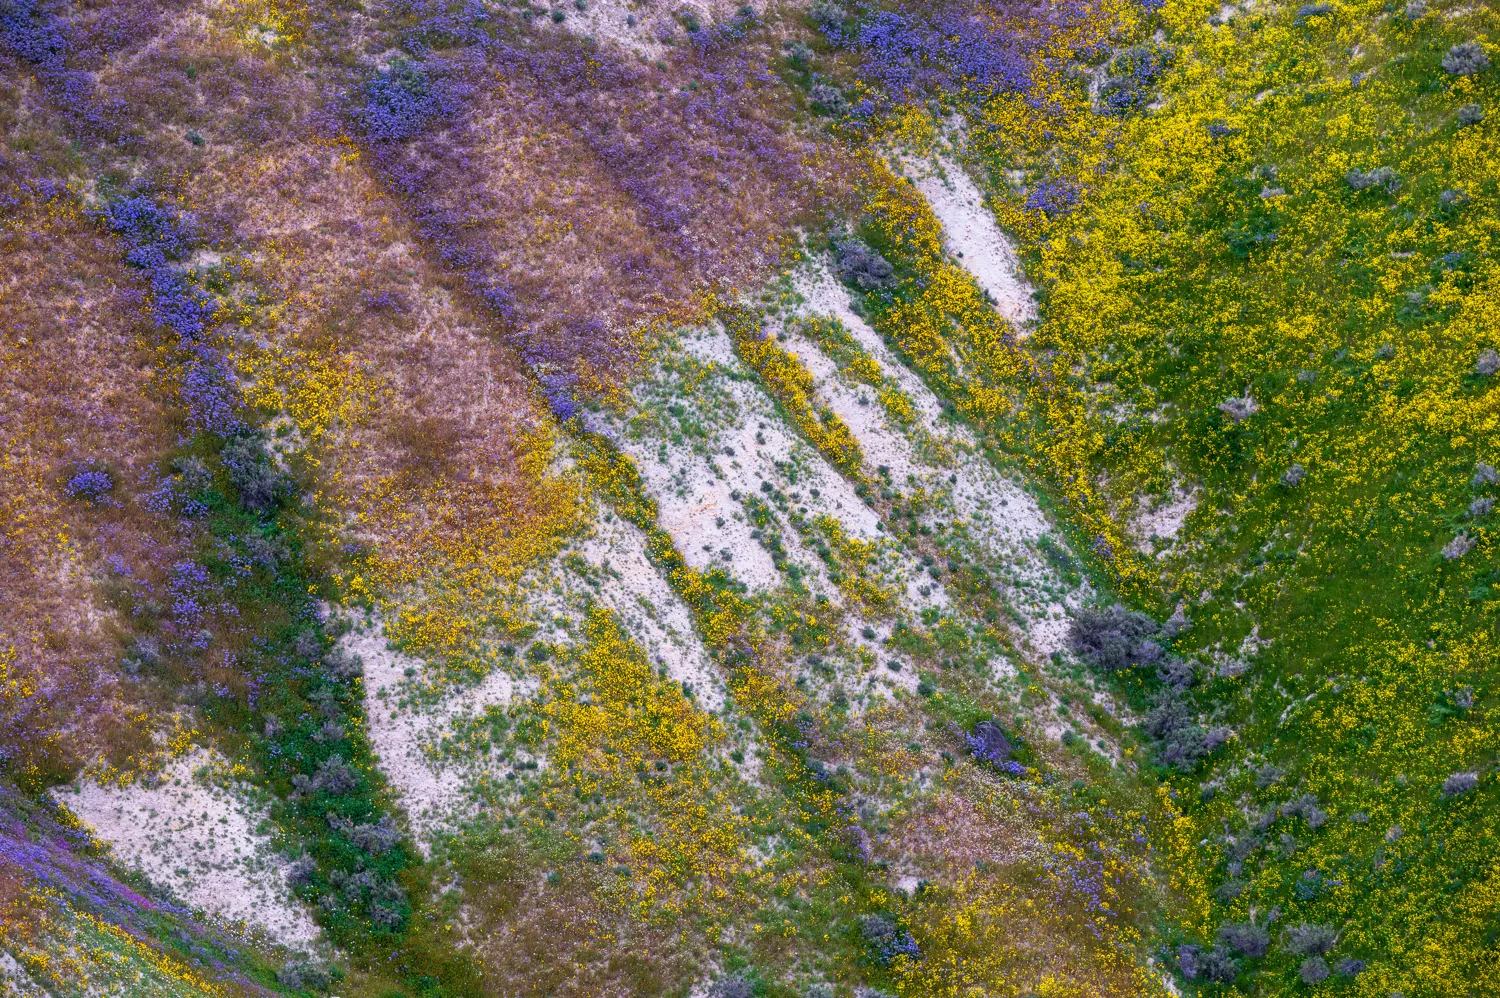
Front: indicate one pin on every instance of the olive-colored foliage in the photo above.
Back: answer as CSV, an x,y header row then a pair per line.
x,y
1221,305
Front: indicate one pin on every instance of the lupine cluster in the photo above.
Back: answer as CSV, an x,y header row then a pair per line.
x,y
1052,197
677,164
401,101
158,240
950,50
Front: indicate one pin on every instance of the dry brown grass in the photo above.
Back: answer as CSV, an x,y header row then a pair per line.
x,y
76,386
963,824
557,939
425,431
614,198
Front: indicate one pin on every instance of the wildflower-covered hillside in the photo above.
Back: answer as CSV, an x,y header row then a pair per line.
x,y
855,500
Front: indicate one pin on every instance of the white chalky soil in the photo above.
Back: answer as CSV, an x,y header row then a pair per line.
x,y
971,234
650,610
198,841
1002,517
404,735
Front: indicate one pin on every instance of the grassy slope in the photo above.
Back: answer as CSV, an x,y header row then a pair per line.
x,y
1160,305
1158,301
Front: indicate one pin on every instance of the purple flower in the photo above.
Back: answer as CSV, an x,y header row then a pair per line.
x,y
910,56
212,396
1052,198
90,486
1131,75
886,940
989,744
401,101
558,391
32,34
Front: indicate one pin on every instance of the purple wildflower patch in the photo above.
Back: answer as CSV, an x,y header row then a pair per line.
x,y
988,743
91,486
558,390
1052,198
211,394
399,102
948,51
886,940
32,34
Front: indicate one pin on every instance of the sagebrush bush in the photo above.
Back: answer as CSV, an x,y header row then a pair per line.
x,y
1461,545
334,776
732,987
1488,363
343,664
1113,638
300,873
1176,672
831,100
307,645
1306,807
261,485
863,266
1312,10
1382,176
1218,966
1314,970
1245,938
329,731
1310,938
269,552
827,15
1172,713
1181,741
1466,59
374,838
1470,115
1460,783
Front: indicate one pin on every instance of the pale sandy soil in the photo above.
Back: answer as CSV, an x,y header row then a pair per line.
x,y
198,840
971,234
695,491
999,514
1163,521
637,26
405,735
650,609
